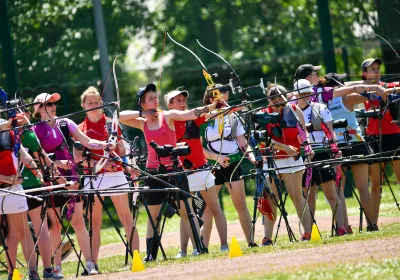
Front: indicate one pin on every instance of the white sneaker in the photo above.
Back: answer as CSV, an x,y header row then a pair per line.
x,y
195,253
58,272
91,269
181,254
224,248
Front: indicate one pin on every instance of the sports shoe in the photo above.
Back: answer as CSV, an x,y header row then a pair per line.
x,y
224,248
66,248
305,237
57,271
96,266
195,253
51,275
349,230
372,228
266,242
33,275
181,254
253,245
341,231
91,269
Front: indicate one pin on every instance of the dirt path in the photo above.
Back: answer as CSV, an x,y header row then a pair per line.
x,y
284,260
172,239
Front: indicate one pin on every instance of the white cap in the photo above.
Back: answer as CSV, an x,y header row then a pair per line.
x,y
173,94
304,86
46,97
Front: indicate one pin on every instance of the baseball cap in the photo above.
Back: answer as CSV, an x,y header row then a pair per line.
x,y
143,90
301,86
175,93
45,97
368,62
306,69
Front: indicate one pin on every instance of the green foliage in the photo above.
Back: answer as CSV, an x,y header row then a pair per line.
x,y
55,40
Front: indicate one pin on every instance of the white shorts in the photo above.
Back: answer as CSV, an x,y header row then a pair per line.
x,y
11,204
197,181
106,181
287,162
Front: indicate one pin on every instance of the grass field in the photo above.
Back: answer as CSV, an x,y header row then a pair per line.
x,y
388,209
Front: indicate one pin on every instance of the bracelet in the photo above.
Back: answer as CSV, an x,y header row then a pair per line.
x,y
140,114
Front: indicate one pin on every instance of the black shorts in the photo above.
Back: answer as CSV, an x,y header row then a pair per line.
x,y
224,174
320,174
59,200
356,148
33,203
155,198
390,144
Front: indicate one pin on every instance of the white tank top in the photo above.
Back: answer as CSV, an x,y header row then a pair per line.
x,y
339,111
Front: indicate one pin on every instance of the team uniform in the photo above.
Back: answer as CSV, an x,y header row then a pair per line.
x,y
53,140
30,142
312,114
9,204
390,131
287,134
189,132
155,165
347,137
114,179
225,145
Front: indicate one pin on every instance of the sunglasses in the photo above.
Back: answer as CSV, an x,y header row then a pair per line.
x,y
49,104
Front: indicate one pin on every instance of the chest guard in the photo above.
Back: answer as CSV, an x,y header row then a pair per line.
x,y
288,119
5,141
192,131
315,116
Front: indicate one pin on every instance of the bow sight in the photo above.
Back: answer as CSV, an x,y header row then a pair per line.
x,y
169,150
264,117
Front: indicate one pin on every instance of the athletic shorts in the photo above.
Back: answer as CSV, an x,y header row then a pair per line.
x,y
355,148
156,198
201,180
223,175
59,200
320,174
33,203
288,162
390,143
108,180
11,204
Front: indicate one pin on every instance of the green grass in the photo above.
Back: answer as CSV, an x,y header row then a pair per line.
x,y
382,269
109,235
116,263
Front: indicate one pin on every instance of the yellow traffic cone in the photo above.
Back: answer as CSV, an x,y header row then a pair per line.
x,y
235,248
16,275
137,264
315,236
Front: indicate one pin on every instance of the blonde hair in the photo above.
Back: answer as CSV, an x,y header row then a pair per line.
x,y
90,91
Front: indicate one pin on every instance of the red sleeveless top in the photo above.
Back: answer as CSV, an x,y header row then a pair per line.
x,y
161,136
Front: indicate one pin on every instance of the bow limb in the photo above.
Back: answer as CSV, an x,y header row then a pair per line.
x,y
116,84
113,134
383,39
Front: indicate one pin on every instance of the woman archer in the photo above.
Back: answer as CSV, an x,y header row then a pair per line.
x,y
158,126
52,134
189,132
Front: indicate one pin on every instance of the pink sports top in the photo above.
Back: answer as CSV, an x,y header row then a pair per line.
x,y
161,136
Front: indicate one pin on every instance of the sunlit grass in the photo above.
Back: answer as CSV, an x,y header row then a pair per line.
x,y
381,269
